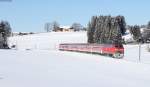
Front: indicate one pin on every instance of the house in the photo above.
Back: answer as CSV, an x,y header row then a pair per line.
x,y
65,29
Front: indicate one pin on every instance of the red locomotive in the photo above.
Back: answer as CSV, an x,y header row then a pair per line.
x,y
114,50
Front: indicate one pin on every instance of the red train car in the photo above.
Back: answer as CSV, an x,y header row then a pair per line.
x,y
114,50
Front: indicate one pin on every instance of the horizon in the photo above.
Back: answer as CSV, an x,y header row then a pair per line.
x,y
30,16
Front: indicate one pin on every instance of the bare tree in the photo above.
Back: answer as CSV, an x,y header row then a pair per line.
x,y
47,27
51,26
55,26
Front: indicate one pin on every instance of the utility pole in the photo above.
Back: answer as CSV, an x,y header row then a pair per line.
x,y
140,40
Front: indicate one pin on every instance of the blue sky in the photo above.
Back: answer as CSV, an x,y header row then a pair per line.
x,y
30,15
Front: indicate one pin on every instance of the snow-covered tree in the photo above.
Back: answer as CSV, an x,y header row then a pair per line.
x,y
5,31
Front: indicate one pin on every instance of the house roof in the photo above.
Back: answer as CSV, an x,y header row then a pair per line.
x,y
65,27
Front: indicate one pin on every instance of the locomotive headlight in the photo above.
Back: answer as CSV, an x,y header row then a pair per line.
x,y
116,49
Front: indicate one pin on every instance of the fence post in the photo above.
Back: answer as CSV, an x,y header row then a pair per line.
x,y
139,52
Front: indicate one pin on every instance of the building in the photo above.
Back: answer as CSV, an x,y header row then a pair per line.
x,y
65,29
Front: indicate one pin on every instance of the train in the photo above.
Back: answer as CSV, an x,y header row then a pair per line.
x,y
113,50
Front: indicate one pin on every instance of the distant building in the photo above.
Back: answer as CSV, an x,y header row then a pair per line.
x,y
65,29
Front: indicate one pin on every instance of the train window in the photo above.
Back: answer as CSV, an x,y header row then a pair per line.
x,y
119,45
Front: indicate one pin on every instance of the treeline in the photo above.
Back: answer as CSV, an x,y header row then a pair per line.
x,y
55,26
106,29
5,31
135,31
140,33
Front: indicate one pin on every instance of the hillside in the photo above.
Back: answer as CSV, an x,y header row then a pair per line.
x,y
44,66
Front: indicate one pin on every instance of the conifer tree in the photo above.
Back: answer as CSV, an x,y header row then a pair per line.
x,y
105,29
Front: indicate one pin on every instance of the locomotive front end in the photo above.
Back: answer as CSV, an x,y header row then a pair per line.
x,y
119,51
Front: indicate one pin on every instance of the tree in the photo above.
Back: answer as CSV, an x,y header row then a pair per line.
x,y
106,29
5,31
146,35
143,26
77,26
91,29
148,25
146,32
90,33
5,28
135,31
47,27
84,28
122,24
55,26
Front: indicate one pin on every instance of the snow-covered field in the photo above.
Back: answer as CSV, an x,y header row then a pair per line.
x,y
44,66
47,41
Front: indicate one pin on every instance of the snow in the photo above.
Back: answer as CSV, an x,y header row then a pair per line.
x,y
132,53
47,41
128,38
45,66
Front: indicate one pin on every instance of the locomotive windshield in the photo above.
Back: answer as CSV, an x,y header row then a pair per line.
x,y
119,45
